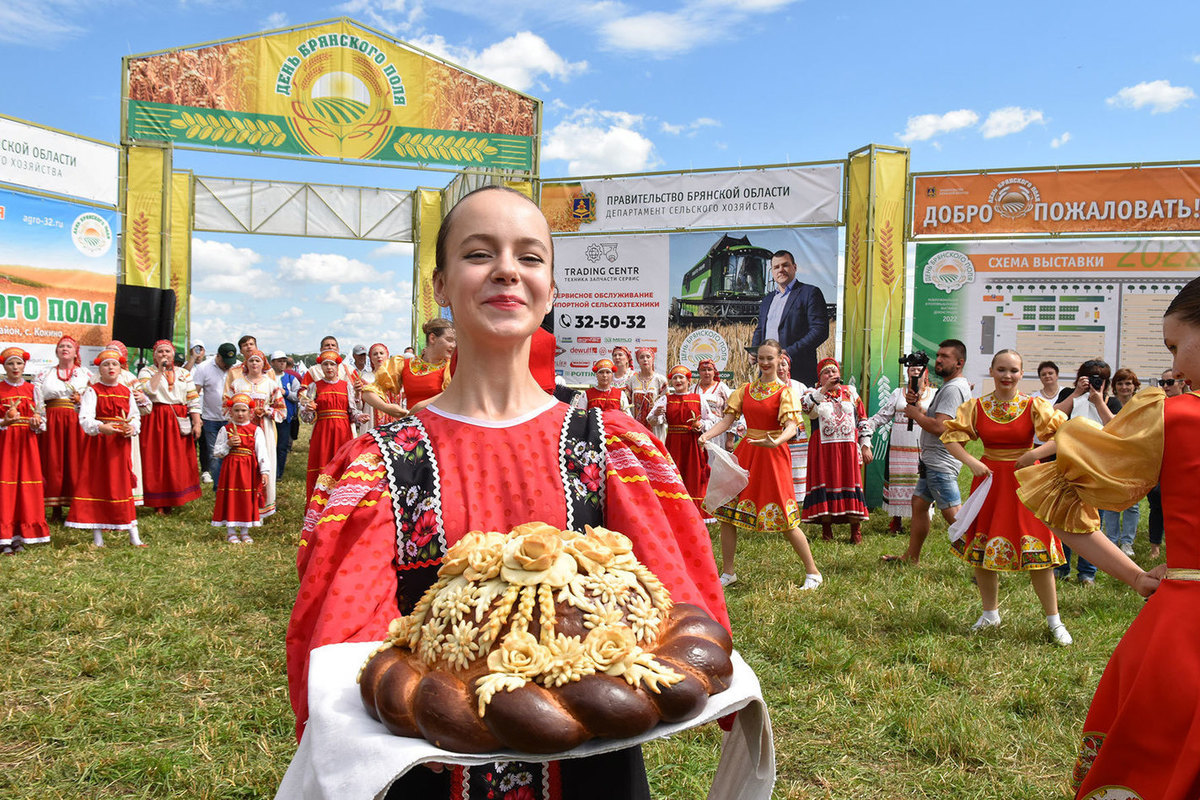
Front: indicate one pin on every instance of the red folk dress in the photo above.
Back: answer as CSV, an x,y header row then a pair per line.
x,y
61,443
834,483
610,399
105,483
239,494
170,470
683,441
1006,536
768,503
22,505
491,476
422,380
331,430
1141,737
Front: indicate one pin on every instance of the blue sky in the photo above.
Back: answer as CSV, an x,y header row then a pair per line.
x,y
635,87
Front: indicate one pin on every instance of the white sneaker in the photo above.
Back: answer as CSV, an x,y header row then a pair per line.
x,y
1061,635
1127,549
206,478
811,582
727,579
983,623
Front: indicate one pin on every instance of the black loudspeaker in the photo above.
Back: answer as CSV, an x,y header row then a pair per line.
x,y
143,315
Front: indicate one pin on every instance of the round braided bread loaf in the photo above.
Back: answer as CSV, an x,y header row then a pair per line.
x,y
540,639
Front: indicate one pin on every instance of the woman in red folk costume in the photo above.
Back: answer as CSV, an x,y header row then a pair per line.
x,y
1139,738
686,416
491,452
332,411
837,450
129,380
604,395
768,503
622,365
245,472
169,465
418,379
267,409
62,388
22,506
110,418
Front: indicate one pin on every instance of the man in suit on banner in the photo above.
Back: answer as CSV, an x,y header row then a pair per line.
x,y
795,315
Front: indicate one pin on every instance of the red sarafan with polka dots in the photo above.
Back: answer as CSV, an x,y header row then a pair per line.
x,y
492,476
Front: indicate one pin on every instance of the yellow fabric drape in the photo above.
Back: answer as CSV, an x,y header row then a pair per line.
x,y
1111,467
962,427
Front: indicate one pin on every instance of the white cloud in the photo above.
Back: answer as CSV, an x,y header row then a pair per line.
x,y
1059,141
277,19
221,268
1011,119
695,23
518,61
206,307
599,143
328,268
691,128
295,312
1161,96
926,126
42,23
373,300
393,16
374,315
393,250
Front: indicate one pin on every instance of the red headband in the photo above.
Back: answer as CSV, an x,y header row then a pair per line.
x,y
110,352
73,341
330,355
707,362
680,369
161,342
625,350
119,347
641,350
603,363
825,362
239,397
9,352
386,352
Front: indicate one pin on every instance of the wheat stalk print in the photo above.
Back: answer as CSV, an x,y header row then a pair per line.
x,y
139,239
887,270
445,147
210,127
855,281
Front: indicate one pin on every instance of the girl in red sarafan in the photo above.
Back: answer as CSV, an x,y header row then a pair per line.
x,y
332,410
110,418
22,504
62,388
245,472
169,465
604,395
686,416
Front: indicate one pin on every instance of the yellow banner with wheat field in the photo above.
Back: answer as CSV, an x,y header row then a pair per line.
x,y
181,255
429,219
144,216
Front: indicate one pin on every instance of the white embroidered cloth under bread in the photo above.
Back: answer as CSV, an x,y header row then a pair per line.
x,y
346,755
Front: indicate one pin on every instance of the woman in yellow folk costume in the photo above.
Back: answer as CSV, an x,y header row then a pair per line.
x,y
419,379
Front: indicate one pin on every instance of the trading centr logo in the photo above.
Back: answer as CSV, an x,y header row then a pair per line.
x,y
1013,198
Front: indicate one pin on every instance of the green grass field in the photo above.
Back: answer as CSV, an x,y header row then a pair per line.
x,y
159,672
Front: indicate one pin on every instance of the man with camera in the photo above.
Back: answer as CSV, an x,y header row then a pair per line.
x,y
937,471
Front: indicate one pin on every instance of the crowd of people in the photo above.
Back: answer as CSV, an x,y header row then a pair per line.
x,y
477,417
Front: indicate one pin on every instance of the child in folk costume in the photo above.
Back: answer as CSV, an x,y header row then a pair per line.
x,y
62,388
644,387
333,409
169,464
245,472
686,417
110,417
267,410
22,504
128,379
604,395
1005,536
768,502
837,450
798,446
904,446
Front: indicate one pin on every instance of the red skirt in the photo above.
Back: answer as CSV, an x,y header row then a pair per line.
x,y
329,434
22,509
693,467
169,466
768,502
1006,536
239,492
104,487
1142,732
835,486
60,446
